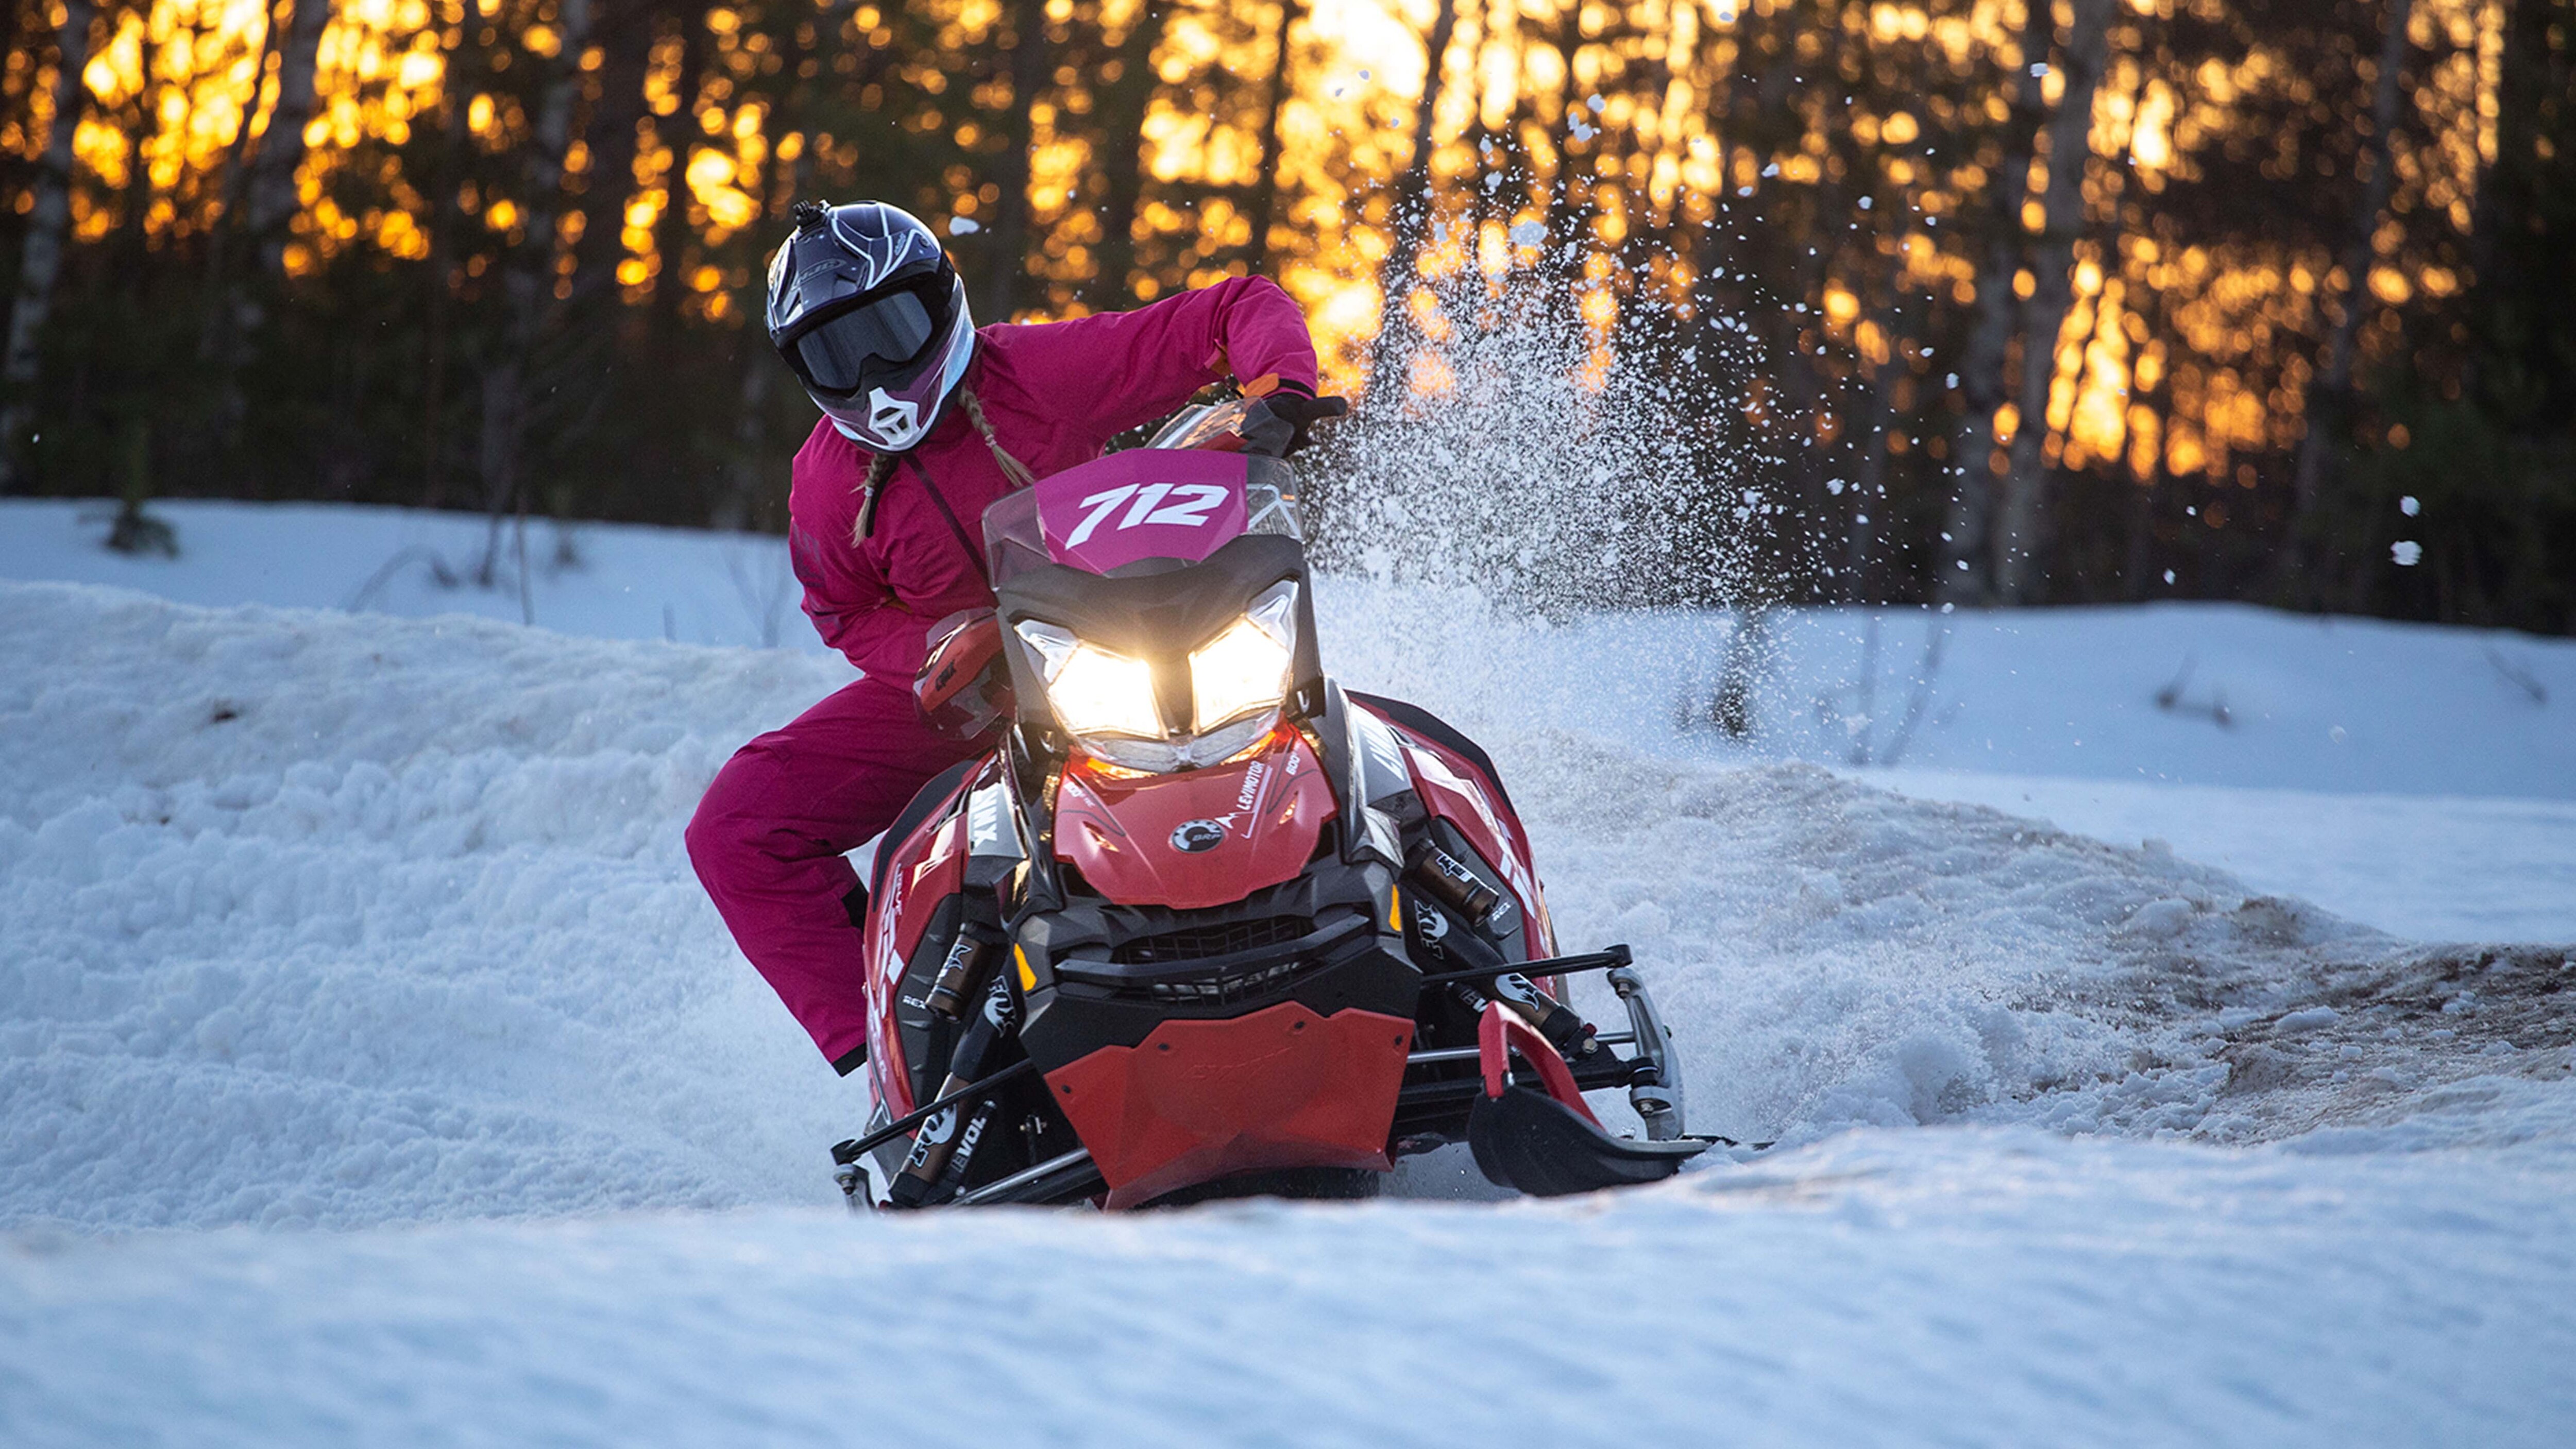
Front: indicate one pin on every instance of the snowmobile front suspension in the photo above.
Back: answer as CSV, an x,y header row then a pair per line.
x,y
846,1154
1654,1086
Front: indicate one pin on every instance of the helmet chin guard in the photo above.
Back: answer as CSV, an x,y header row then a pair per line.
x,y
870,314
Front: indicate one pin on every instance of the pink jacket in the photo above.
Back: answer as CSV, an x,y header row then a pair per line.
x,y
1055,393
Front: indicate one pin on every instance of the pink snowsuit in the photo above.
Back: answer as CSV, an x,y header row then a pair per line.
x,y
768,838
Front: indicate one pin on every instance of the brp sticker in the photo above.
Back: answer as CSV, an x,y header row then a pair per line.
x,y
1198,835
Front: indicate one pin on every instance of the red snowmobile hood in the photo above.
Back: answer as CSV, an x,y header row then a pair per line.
x,y
1199,838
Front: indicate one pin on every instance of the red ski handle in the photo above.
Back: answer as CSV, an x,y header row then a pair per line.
x,y
1502,1033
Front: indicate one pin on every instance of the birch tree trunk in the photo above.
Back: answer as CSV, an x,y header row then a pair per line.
x,y
1966,569
2070,149
268,201
212,333
440,305
273,200
40,259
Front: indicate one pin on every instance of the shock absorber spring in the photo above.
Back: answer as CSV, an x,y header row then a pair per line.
x,y
926,1171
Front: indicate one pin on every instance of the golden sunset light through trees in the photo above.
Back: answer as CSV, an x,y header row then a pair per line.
x,y
2086,300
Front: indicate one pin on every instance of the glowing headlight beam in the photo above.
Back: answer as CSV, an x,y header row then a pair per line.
x,y
1094,691
1244,669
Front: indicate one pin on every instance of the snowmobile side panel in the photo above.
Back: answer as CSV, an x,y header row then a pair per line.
x,y
1431,729
917,872
1200,838
1197,1100
1454,790
931,877
931,802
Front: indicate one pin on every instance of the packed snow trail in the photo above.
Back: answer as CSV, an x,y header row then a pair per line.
x,y
1953,1287
325,920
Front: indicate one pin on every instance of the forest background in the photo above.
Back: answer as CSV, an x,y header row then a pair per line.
x,y
1977,301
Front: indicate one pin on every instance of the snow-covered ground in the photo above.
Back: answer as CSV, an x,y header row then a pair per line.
x,y
339,920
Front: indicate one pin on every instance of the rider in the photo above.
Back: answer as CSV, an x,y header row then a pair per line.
x,y
927,419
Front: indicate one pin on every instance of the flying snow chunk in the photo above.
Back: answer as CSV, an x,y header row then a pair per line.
x,y
2409,506
962,226
1864,203
2407,552
2161,919
1528,233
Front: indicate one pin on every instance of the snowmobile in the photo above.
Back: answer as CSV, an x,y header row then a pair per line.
x,y
1203,923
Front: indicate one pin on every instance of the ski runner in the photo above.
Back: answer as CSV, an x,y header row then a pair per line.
x,y
927,419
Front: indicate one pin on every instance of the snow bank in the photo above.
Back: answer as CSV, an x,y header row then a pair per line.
x,y
1849,957
333,919
2434,867
329,919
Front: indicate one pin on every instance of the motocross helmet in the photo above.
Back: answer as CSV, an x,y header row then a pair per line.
x,y
871,315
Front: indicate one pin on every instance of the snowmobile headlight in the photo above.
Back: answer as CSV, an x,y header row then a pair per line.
x,y
1094,691
1244,669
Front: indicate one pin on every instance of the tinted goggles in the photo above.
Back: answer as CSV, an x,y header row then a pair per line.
x,y
842,352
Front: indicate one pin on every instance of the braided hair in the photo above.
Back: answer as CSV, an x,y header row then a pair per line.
x,y
881,466
1012,468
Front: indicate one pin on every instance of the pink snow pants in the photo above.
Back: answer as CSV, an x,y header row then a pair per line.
x,y
768,838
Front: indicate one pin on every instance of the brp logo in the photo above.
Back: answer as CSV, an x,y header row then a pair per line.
x,y
1198,835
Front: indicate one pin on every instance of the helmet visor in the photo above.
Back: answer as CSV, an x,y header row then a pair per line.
x,y
846,351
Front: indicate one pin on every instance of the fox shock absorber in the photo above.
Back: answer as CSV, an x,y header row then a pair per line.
x,y
1451,883
961,975
940,1144
1564,1029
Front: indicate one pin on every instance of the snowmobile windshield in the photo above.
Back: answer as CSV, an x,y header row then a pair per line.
x,y
1148,509
869,344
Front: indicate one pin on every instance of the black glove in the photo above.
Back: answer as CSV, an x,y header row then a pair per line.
x,y
1280,424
